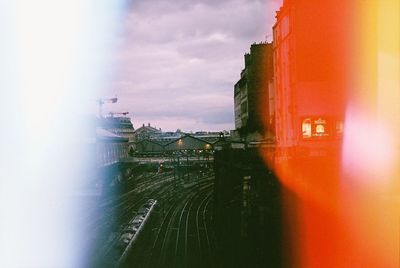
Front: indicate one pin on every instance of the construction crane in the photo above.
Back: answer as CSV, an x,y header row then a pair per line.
x,y
103,101
112,113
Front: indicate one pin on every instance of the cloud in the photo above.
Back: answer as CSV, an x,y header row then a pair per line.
x,y
178,60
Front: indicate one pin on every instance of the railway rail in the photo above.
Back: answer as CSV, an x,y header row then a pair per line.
x,y
180,213
175,243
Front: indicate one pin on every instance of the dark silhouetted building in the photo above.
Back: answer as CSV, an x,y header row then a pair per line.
x,y
252,94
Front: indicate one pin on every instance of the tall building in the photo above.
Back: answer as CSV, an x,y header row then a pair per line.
x,y
252,94
310,46
326,70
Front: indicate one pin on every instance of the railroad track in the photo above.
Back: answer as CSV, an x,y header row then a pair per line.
x,y
170,245
194,249
176,241
165,239
120,210
119,214
203,239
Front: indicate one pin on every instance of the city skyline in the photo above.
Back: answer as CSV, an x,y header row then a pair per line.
x,y
175,63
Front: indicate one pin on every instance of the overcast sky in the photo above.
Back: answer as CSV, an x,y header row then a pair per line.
x,y
176,61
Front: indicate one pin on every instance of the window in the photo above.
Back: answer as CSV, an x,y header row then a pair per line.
x,y
320,127
306,128
316,127
285,26
244,107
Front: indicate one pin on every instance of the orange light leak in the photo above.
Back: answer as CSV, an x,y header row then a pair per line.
x,y
338,66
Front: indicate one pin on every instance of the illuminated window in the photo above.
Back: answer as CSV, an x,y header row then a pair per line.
x,y
306,128
320,129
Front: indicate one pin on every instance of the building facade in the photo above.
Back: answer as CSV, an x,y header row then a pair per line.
x,y
309,76
252,93
121,126
146,132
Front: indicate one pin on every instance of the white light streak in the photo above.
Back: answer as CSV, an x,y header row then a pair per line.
x,y
52,59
